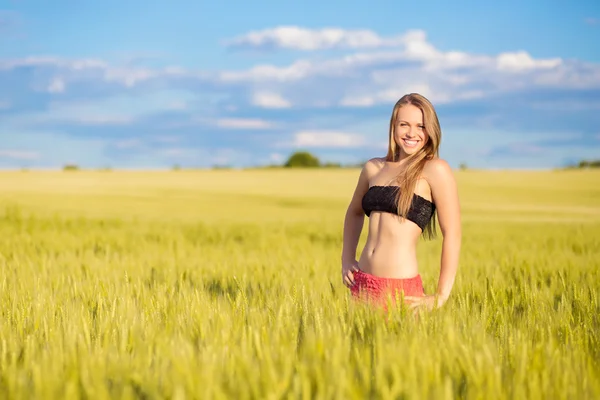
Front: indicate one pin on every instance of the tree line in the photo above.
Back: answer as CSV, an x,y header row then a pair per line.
x,y
588,164
305,159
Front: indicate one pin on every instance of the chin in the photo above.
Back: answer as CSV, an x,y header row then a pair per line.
x,y
410,150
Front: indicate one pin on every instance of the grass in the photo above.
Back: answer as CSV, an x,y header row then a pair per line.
x,y
226,284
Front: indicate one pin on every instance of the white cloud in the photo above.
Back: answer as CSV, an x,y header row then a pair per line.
x,y
55,62
413,64
56,86
329,139
78,116
374,70
521,61
298,70
294,37
270,100
371,76
243,123
19,154
417,47
129,76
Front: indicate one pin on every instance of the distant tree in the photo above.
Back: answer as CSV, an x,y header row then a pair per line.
x,y
71,167
176,167
302,159
589,164
332,165
463,166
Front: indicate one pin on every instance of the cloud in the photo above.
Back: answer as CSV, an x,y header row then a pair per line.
x,y
298,38
328,139
363,79
270,100
522,61
19,154
72,113
336,101
381,76
56,86
242,123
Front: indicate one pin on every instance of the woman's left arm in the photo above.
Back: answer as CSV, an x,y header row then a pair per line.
x,y
445,196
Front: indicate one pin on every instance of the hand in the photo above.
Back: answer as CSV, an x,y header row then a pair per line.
x,y
427,302
348,270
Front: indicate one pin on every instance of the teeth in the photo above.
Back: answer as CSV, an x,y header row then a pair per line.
x,y
410,142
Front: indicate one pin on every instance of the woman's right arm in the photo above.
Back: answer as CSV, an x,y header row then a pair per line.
x,y
353,224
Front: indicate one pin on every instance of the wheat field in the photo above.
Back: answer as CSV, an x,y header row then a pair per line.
x,y
226,284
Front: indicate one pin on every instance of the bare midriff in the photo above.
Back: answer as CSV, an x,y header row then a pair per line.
x,y
390,251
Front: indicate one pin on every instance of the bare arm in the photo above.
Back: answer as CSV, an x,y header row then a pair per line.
x,y
353,224
445,195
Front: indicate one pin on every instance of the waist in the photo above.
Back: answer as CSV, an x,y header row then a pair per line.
x,y
390,262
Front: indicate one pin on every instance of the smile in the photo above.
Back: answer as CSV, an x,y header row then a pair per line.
x,y
410,143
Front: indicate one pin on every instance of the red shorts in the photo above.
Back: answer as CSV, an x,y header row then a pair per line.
x,y
377,289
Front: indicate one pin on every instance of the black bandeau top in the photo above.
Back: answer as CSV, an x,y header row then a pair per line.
x,y
383,198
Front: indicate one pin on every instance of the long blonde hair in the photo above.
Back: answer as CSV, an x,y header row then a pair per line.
x,y
407,179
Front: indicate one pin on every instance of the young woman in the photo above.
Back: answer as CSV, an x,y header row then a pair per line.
x,y
401,193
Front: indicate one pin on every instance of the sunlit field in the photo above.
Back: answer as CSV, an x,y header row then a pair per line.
x,y
226,284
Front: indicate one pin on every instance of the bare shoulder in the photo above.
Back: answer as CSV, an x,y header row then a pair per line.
x,y
370,168
437,170
444,191
373,165
377,162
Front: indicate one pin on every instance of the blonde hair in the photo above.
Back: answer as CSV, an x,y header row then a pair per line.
x,y
407,179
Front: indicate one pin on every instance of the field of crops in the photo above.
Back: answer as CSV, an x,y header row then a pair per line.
x,y
226,284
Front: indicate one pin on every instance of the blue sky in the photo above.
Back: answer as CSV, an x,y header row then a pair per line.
x,y
149,85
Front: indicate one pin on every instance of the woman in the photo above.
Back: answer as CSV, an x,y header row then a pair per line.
x,y
401,194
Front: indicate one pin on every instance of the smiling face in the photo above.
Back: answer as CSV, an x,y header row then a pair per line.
x,y
414,129
409,130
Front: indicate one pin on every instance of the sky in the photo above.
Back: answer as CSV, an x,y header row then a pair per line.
x,y
241,84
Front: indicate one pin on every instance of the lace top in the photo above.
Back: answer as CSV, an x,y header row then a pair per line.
x,y
383,198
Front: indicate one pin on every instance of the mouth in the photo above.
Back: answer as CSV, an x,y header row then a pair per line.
x,y
411,143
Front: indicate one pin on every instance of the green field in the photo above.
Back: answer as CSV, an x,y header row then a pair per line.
x,y
226,284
